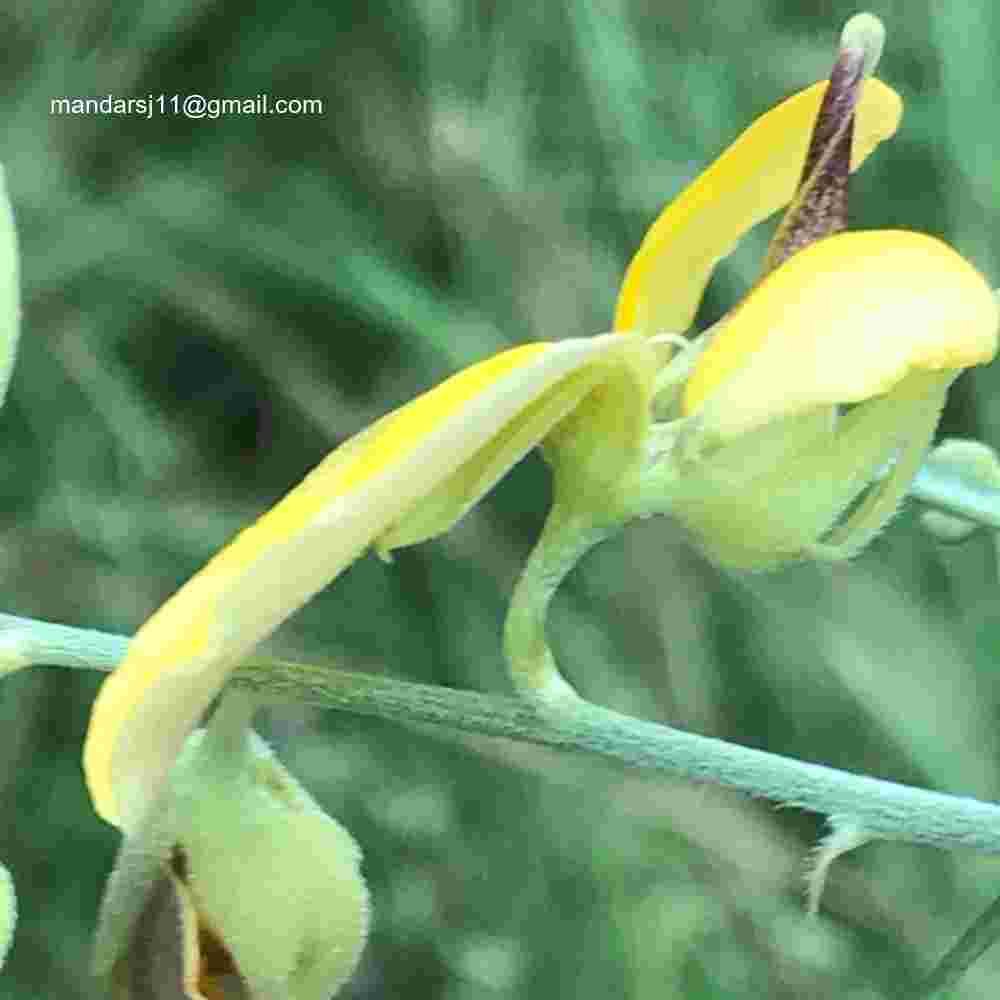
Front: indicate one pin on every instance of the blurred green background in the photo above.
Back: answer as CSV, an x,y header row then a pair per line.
x,y
211,305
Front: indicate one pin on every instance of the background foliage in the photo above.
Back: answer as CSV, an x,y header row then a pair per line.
x,y
212,305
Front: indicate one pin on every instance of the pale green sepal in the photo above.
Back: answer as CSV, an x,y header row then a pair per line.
x,y
8,913
722,496
277,879
598,447
10,296
886,493
771,496
138,869
240,851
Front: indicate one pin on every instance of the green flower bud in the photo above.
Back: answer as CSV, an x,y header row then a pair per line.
x,y
236,884
276,880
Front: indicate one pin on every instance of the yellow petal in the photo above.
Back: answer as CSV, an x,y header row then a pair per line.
x,y
606,403
752,179
842,321
181,657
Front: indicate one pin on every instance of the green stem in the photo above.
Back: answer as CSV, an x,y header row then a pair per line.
x,y
881,809
229,727
949,490
566,538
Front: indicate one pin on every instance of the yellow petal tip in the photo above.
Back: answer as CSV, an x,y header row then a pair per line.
x,y
752,179
841,322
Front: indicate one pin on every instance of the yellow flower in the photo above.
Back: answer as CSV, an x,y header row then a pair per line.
x,y
754,178
837,362
769,428
408,477
760,460
845,320
773,468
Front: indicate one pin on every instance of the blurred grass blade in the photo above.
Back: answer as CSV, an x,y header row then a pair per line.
x,y
981,936
8,912
10,303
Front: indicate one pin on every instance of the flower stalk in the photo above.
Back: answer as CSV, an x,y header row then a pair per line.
x,y
566,538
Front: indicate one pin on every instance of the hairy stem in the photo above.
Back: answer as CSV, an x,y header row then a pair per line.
x,y
950,490
882,809
566,538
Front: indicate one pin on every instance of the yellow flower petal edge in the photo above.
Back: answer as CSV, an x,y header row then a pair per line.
x,y
606,403
181,656
842,321
752,179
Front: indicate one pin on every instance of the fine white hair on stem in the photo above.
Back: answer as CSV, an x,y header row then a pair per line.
x,y
884,809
